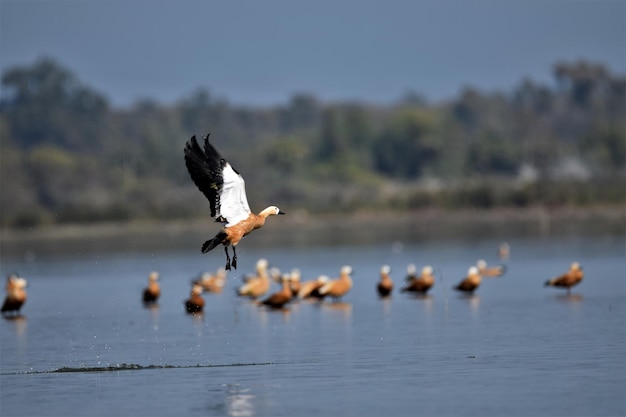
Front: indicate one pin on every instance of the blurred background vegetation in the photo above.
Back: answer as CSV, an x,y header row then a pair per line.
x,y
68,156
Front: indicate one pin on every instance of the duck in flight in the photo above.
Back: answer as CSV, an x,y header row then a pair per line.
x,y
225,189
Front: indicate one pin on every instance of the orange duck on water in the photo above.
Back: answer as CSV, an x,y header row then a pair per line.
x,y
419,284
195,303
569,279
258,284
471,282
278,299
310,289
152,292
16,295
339,287
212,282
385,285
225,189
490,271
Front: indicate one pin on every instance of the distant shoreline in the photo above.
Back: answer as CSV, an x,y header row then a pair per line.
x,y
299,228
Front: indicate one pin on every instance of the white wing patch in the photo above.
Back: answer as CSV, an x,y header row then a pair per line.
x,y
233,201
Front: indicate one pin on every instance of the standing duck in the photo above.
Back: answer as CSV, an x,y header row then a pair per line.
x,y
258,284
385,285
195,303
339,287
278,299
16,295
152,292
471,282
490,271
568,279
419,284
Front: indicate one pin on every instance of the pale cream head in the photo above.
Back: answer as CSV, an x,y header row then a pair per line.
x,y
346,270
196,290
427,270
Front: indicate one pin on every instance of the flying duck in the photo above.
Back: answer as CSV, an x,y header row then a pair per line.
x,y
153,290
225,189
471,282
385,285
339,287
16,295
569,279
419,284
195,303
491,271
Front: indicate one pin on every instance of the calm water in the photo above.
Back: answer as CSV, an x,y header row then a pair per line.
x,y
515,348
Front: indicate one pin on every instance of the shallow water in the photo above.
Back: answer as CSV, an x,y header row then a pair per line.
x,y
86,346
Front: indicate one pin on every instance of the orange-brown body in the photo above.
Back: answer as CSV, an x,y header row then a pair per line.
x,y
569,279
232,235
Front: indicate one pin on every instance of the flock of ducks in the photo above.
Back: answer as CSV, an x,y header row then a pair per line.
x,y
257,285
225,189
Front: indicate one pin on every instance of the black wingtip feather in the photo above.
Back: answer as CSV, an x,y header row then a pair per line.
x,y
205,168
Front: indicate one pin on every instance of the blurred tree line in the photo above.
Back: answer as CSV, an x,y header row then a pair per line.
x,y
69,156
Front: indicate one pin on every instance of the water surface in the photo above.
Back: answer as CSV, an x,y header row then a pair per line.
x,y
86,346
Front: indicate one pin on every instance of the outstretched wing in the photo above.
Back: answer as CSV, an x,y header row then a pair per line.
x,y
218,181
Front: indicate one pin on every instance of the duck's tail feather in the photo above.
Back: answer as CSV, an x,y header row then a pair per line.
x,y
212,243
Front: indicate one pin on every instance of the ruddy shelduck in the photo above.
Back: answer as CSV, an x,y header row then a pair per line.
x,y
504,251
569,279
339,287
294,281
195,303
152,292
212,282
471,282
16,295
385,285
258,285
279,299
310,289
419,284
490,271
225,189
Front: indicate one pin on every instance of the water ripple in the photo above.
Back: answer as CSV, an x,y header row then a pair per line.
x,y
132,367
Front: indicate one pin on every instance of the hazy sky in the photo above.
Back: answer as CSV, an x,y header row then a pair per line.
x,y
260,52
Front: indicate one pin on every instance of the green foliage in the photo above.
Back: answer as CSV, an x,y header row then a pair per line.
x,y
67,156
